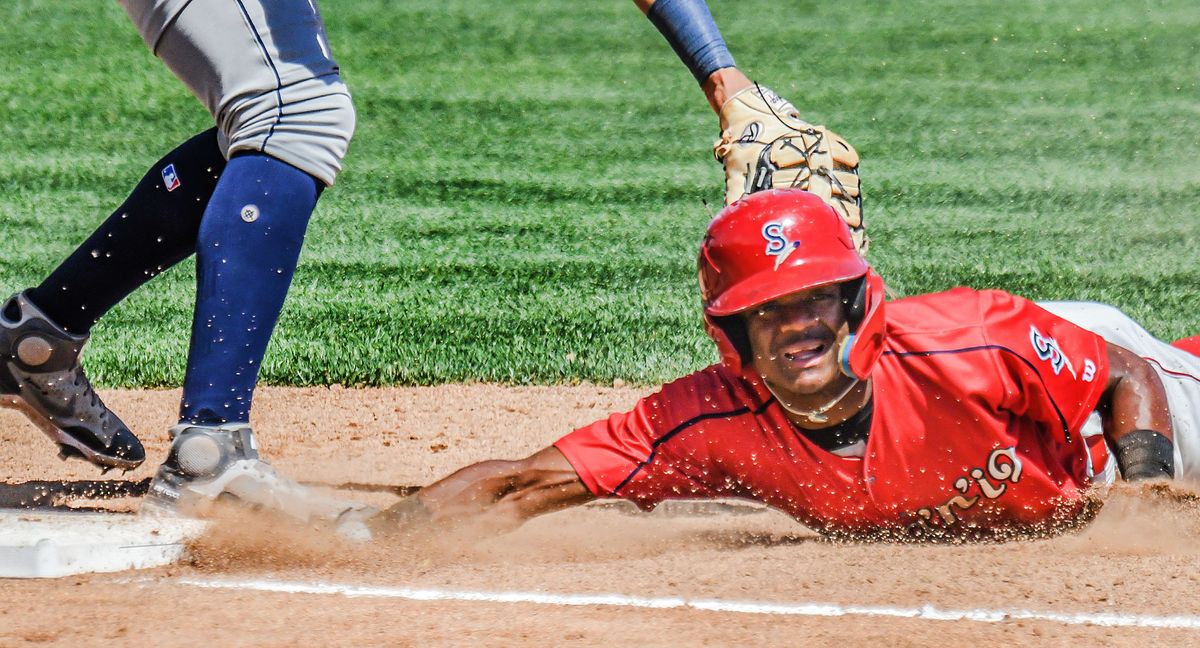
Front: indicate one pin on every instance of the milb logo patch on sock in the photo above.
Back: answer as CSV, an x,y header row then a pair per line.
x,y
170,178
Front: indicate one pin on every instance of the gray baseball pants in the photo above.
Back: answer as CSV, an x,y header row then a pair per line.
x,y
264,70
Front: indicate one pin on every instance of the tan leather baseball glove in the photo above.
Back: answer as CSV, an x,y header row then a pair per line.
x,y
766,145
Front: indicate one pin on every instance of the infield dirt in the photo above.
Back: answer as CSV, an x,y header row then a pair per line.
x,y
1137,557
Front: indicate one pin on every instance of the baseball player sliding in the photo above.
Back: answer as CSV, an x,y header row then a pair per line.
x,y
962,413
239,196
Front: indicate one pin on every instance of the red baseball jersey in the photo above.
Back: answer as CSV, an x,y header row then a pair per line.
x,y
979,397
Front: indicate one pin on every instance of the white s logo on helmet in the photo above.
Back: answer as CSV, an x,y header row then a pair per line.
x,y
778,244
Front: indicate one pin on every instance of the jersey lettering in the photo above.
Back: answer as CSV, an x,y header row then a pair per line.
x,y
1047,349
1003,465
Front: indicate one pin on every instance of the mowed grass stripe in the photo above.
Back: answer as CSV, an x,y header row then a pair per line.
x,y
529,181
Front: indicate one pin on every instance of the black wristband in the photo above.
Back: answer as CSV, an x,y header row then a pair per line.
x,y
1145,454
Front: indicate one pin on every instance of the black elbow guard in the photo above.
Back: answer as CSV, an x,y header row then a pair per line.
x,y
1145,454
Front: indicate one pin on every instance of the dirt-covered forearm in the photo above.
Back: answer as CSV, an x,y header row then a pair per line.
x,y
492,496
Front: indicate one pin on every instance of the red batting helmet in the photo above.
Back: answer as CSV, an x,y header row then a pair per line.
x,y
774,243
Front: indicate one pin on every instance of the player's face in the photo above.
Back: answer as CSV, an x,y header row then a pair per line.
x,y
795,339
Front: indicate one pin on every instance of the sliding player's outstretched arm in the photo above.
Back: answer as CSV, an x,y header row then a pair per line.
x,y
490,497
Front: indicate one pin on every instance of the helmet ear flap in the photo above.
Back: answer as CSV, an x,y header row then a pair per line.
x,y
862,348
729,332
854,295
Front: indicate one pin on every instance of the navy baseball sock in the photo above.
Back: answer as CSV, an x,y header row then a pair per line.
x,y
689,27
250,240
154,229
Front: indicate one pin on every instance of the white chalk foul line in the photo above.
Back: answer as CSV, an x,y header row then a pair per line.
x,y
926,612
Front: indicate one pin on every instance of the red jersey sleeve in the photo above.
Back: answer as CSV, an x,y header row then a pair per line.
x,y
660,449
1056,370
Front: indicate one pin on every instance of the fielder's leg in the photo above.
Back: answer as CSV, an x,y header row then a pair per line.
x,y
264,71
44,329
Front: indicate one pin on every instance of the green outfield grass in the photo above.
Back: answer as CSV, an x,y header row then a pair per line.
x,y
528,184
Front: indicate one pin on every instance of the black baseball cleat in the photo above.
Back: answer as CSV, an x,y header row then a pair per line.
x,y
40,375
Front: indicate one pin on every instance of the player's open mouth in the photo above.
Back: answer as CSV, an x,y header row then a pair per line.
x,y
805,353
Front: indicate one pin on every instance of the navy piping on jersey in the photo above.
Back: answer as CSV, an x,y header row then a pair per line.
x,y
746,410
986,347
680,428
274,70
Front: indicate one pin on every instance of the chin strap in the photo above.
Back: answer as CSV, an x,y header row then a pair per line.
x,y
816,415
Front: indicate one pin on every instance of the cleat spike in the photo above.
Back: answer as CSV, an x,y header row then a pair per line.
x,y
66,452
